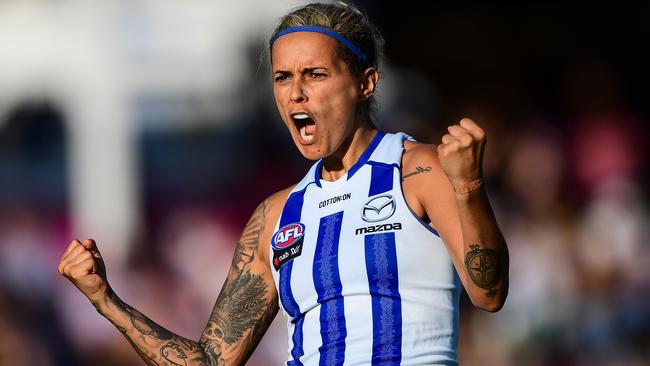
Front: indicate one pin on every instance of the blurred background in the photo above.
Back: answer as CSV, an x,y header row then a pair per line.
x,y
151,127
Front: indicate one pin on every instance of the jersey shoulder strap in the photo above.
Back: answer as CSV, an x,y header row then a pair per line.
x,y
309,178
390,149
389,152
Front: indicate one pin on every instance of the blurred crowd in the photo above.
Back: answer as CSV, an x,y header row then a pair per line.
x,y
566,169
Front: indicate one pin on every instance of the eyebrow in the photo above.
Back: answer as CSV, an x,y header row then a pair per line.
x,y
304,70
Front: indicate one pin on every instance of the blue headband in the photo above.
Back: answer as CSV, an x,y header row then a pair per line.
x,y
344,41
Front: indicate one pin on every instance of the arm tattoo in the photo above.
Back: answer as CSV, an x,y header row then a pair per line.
x,y
418,170
173,353
243,304
244,310
249,241
483,268
240,305
145,334
140,322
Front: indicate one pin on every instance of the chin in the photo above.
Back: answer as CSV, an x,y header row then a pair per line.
x,y
310,152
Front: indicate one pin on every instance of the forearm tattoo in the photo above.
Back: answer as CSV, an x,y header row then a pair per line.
x,y
174,354
418,170
244,303
145,336
243,311
483,268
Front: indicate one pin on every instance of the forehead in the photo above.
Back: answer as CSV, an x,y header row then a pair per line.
x,y
302,49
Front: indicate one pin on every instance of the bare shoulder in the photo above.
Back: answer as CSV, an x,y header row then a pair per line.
x,y
280,197
275,202
419,158
421,174
268,213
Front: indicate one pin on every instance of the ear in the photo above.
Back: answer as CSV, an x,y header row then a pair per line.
x,y
369,81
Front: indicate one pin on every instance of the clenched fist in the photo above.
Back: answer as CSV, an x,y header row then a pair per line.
x,y
461,152
83,265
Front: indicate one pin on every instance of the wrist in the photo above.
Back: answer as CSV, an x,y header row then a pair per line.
x,y
102,302
467,187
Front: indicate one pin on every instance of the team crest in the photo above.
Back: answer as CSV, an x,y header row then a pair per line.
x,y
287,243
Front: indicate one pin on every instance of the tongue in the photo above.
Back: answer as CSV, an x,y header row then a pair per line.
x,y
310,129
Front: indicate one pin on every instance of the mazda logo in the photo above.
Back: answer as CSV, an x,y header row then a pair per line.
x,y
378,208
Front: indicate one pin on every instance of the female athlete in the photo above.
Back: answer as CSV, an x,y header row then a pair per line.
x,y
367,254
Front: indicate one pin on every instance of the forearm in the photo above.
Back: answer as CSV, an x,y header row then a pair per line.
x,y
155,344
485,252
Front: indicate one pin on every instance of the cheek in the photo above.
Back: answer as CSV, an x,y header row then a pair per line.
x,y
279,104
342,111
277,96
339,101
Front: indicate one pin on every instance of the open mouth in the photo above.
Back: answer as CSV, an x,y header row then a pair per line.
x,y
305,125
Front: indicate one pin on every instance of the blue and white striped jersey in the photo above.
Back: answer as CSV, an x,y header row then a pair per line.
x,y
361,279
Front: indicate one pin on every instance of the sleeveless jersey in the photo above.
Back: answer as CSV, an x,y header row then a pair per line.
x,y
361,279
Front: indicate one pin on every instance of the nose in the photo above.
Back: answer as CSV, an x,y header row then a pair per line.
x,y
298,94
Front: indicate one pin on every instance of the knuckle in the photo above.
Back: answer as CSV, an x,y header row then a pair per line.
x,y
85,263
74,252
78,272
73,258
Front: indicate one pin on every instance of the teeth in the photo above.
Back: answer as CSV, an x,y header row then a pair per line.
x,y
300,116
304,135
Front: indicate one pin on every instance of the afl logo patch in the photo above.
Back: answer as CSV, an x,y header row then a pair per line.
x,y
287,243
288,235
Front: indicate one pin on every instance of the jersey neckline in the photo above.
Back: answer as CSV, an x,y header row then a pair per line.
x,y
363,159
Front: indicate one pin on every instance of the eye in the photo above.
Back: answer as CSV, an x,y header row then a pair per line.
x,y
280,77
317,75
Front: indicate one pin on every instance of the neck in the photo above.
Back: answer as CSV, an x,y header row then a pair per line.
x,y
336,165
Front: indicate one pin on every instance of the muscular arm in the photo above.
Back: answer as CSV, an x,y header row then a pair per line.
x,y
485,253
243,311
466,223
155,344
248,301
